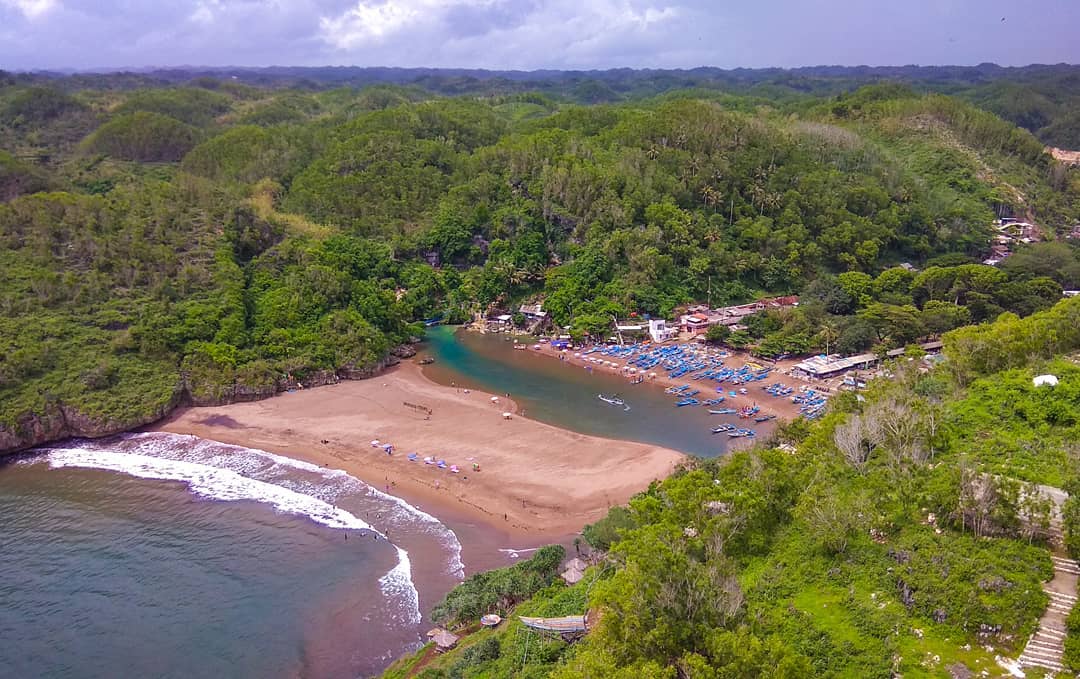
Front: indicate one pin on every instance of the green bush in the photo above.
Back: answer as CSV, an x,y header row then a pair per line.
x,y
143,137
498,590
1071,658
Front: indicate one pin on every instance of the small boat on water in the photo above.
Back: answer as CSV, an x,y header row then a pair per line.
x,y
687,402
613,400
722,429
764,418
427,360
723,411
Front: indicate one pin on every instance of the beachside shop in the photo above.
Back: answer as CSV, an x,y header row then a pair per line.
x,y
824,367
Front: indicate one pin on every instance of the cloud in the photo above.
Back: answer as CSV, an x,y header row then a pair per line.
x,y
529,34
31,9
493,33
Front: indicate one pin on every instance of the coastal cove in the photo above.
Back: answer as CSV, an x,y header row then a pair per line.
x,y
539,480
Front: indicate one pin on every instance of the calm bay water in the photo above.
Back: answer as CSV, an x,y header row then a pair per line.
x,y
206,560
566,395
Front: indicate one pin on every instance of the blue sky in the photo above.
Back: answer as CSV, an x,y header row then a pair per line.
x,y
534,34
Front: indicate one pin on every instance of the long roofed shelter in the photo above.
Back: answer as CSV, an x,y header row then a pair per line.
x,y
828,366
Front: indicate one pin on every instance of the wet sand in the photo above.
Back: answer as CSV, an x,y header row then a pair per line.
x,y
536,484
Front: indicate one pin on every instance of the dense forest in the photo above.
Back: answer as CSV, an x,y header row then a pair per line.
x,y
901,535
173,237
209,239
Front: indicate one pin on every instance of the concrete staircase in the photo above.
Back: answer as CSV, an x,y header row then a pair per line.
x,y
1046,646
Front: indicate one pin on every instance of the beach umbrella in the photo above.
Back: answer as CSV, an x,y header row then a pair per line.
x,y
506,416
494,399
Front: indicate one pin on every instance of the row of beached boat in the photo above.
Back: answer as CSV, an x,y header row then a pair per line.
x,y
689,360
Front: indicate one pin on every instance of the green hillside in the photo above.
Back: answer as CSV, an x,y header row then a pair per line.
x,y
215,241
900,535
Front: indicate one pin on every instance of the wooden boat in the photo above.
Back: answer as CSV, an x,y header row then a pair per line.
x,y
490,620
613,400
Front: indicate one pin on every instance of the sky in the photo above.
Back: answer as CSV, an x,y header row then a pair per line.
x,y
534,34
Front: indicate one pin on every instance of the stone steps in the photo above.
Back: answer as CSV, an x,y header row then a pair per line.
x,y
1047,645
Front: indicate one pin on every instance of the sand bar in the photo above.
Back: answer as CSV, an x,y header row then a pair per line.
x,y
536,481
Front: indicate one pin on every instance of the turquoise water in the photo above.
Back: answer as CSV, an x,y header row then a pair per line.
x,y
566,396
204,560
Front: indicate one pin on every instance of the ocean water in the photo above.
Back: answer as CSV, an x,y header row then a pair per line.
x,y
165,555
565,395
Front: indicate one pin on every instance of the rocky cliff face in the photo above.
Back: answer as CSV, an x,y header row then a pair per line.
x,y
60,421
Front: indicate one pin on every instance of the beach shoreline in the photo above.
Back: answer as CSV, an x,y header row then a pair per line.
x,y
782,407
537,484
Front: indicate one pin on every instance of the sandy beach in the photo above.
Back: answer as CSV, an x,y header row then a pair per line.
x,y
536,483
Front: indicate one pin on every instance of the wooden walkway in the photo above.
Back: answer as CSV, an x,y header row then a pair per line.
x,y
1047,645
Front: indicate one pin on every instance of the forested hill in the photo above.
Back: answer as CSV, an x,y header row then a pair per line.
x,y
1044,99
213,241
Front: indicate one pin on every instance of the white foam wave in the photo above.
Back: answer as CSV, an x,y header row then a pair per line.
x,y
210,482
332,484
515,553
456,566
398,582
225,484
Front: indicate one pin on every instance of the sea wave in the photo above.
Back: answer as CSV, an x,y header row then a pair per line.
x,y
325,483
210,482
225,472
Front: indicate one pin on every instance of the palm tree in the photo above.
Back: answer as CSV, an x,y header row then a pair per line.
x,y
710,196
829,335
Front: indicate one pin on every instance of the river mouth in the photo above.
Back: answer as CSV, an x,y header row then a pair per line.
x,y
568,396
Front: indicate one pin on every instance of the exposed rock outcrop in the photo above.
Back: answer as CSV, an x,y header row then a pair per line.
x,y
60,421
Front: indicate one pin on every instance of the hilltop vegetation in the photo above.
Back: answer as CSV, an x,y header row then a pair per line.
x,y
901,534
215,240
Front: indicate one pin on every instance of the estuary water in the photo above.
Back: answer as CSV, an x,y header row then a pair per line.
x,y
566,396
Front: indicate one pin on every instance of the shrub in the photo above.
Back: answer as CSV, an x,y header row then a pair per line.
x,y
500,589
144,137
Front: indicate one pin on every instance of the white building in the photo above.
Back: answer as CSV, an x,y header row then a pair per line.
x,y
659,332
